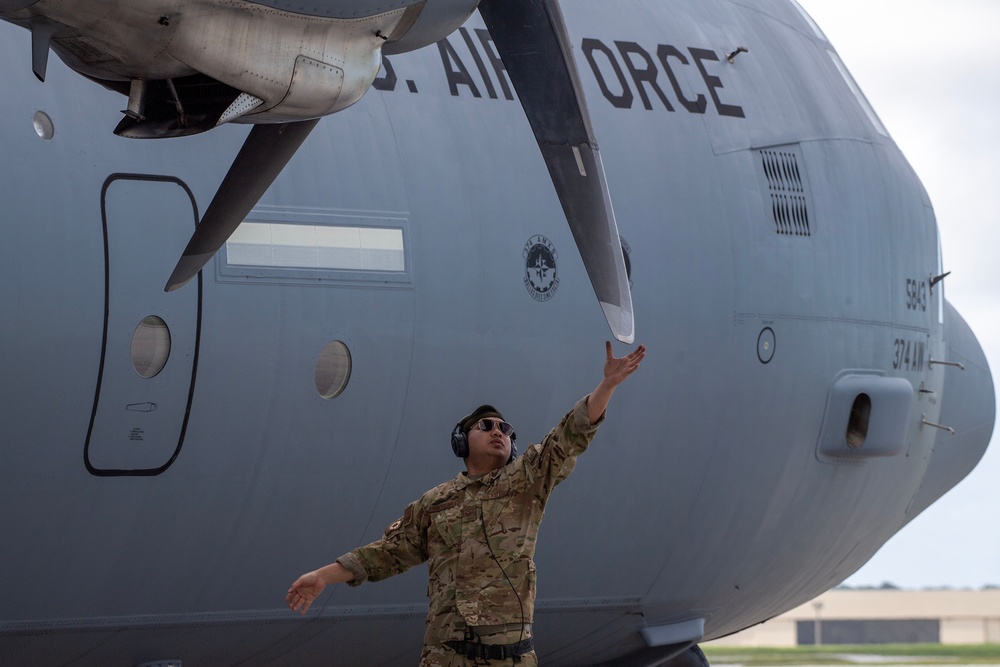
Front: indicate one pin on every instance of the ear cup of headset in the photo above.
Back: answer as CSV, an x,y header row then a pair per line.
x,y
459,442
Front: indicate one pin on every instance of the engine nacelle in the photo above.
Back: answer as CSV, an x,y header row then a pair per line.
x,y
273,65
435,20
297,66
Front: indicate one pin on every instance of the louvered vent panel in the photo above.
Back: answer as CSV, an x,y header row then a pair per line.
x,y
788,196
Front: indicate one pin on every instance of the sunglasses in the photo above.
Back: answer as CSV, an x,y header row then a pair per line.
x,y
489,424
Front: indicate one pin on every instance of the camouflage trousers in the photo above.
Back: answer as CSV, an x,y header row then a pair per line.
x,y
442,656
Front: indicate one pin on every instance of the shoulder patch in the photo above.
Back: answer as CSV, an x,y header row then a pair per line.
x,y
396,527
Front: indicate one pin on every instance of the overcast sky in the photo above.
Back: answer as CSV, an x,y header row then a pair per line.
x,y
931,69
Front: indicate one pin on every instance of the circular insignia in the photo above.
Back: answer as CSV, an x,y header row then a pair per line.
x,y
540,277
765,345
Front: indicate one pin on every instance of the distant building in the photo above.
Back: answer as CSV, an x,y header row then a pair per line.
x,y
882,617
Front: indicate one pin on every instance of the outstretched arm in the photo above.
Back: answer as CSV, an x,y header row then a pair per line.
x,y
615,372
308,587
403,545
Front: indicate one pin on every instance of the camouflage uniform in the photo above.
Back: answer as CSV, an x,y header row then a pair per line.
x,y
446,527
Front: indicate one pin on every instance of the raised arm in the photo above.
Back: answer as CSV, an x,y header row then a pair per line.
x,y
615,372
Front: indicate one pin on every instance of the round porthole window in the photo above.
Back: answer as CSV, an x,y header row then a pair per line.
x,y
150,346
44,127
333,369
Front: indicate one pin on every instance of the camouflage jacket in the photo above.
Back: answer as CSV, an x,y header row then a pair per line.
x,y
446,527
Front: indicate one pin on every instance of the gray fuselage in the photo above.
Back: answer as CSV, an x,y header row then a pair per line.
x,y
781,254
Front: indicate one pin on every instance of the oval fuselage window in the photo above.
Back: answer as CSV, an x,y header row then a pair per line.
x,y
150,346
333,369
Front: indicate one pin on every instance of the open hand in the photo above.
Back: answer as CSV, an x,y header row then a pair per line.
x,y
617,369
305,589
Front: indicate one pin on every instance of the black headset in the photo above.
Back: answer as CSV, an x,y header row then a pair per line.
x,y
460,442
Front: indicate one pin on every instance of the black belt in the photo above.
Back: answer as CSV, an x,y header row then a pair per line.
x,y
474,650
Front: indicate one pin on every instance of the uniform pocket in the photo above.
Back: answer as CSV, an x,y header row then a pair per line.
x,y
448,525
512,524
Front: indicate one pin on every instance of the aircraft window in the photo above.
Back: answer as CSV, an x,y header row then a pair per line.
x,y
150,346
333,369
862,100
336,247
44,127
857,425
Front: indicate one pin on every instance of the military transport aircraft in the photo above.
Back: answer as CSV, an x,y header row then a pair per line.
x,y
340,291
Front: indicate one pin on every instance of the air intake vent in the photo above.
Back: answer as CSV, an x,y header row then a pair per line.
x,y
788,196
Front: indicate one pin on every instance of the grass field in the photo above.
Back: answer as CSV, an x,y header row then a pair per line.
x,y
868,654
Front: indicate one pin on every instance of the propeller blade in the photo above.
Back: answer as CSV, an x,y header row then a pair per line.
x,y
266,151
532,40
42,31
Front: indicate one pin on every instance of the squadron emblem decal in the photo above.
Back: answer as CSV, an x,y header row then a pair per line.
x,y
540,268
